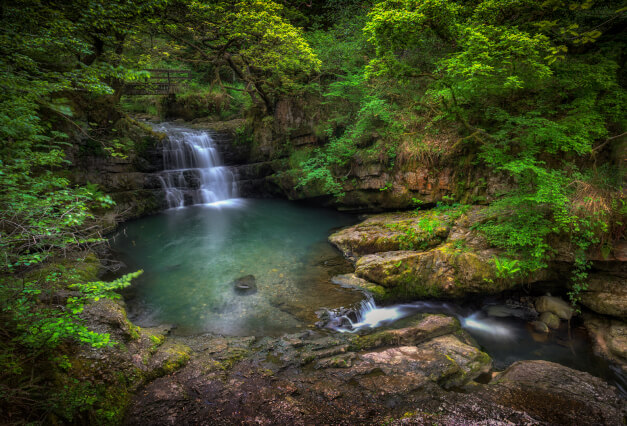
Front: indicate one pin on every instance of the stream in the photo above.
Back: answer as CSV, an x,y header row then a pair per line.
x,y
195,253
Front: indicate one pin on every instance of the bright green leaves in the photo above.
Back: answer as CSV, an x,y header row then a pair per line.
x,y
268,54
400,30
535,86
270,43
493,60
42,327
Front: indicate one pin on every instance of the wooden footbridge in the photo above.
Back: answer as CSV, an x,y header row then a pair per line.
x,y
161,82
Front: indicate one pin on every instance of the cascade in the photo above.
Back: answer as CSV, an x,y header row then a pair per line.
x,y
193,171
368,315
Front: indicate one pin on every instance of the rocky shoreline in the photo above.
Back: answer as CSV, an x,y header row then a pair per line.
x,y
421,370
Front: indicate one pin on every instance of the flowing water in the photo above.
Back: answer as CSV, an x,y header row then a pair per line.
x,y
192,256
193,171
501,332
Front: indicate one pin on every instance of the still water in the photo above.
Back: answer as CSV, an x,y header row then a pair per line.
x,y
192,255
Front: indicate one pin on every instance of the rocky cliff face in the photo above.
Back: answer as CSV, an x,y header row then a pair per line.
x,y
273,148
133,180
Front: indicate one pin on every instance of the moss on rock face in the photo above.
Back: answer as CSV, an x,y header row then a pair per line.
x,y
393,231
434,253
440,272
413,331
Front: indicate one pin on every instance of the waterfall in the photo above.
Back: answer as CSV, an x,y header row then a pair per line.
x,y
192,169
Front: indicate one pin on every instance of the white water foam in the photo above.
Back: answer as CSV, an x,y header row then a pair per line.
x,y
193,171
371,316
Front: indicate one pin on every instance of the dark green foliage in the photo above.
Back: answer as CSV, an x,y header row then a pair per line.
x,y
537,89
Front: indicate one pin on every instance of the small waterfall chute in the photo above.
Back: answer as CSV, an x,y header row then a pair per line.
x,y
368,315
193,172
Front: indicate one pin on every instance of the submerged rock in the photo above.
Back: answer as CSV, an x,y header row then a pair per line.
x,y
550,319
245,285
540,326
554,305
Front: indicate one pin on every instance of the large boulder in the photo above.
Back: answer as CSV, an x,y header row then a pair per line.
x,y
555,305
434,253
556,394
444,271
606,294
444,360
392,231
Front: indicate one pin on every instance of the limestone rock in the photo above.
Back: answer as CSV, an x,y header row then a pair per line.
x,y
440,272
353,281
606,294
390,232
554,305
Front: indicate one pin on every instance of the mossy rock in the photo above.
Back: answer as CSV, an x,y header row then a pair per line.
x,y
442,272
169,357
411,331
392,232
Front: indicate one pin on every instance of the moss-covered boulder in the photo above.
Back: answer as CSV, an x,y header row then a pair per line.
x,y
392,231
440,272
434,253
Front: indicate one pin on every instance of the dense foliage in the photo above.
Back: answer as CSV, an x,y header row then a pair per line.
x,y
536,88
533,91
50,53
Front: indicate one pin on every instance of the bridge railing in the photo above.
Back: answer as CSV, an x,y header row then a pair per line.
x,y
161,82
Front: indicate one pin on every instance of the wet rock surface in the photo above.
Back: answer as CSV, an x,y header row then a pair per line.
x,y
421,372
556,394
609,336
